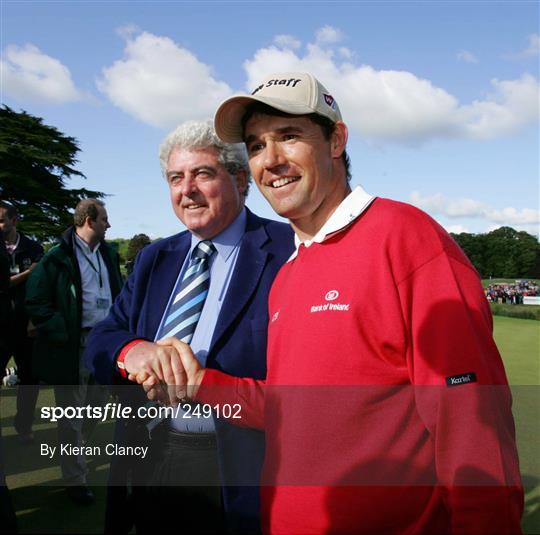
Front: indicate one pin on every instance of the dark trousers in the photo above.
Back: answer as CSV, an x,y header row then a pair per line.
x,y
20,347
75,431
183,493
8,521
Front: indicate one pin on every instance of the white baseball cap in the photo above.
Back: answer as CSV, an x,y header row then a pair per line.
x,y
297,93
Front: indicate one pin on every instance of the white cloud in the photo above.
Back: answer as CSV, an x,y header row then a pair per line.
x,y
456,229
467,57
287,41
512,105
397,106
534,46
161,83
127,31
532,50
440,205
513,216
346,53
329,35
29,74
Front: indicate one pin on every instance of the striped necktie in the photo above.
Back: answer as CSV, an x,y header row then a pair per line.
x,y
189,296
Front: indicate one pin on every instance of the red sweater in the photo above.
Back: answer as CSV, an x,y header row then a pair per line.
x,y
386,406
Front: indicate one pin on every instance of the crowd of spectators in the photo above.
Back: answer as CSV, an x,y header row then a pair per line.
x,y
511,293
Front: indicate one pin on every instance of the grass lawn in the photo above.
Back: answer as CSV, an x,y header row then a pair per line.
x,y
519,343
35,481
42,507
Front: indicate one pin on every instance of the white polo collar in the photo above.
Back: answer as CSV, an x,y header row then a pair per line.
x,y
349,209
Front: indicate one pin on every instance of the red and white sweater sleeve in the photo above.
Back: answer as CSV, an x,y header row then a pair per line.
x,y
218,388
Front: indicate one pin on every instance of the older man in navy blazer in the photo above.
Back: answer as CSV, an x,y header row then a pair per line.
x,y
238,255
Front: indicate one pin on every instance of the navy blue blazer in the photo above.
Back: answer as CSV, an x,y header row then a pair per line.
x,y
238,345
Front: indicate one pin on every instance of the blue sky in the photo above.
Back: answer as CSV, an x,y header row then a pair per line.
x,y
441,98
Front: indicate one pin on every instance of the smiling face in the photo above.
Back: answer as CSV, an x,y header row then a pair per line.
x,y
297,169
205,197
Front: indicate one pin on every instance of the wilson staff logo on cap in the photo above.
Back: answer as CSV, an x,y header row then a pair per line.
x,y
297,93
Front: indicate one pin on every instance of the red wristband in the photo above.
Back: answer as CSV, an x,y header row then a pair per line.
x,y
124,351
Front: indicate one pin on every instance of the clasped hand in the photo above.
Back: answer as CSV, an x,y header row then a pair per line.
x,y
167,370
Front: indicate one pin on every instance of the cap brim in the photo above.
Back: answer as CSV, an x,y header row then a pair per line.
x,y
228,118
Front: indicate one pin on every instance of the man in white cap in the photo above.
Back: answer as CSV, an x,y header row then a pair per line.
x,y
386,406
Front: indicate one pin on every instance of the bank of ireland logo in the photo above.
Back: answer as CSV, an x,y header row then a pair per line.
x,y
330,304
332,295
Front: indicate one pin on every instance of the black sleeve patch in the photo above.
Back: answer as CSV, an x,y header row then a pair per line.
x,y
461,379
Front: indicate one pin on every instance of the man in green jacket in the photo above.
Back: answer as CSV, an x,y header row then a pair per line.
x,y
67,294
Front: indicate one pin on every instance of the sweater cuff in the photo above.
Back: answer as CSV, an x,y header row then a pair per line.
x,y
122,355
217,388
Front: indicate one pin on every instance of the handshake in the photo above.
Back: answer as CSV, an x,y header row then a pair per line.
x,y
167,369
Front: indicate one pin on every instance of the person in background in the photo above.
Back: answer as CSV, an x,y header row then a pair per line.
x,y
5,305
23,254
68,293
8,520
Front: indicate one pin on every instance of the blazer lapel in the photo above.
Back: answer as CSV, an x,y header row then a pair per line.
x,y
167,265
247,272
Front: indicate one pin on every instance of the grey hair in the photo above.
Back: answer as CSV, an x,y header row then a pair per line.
x,y
195,135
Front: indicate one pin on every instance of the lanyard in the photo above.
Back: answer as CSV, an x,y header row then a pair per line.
x,y
12,250
98,271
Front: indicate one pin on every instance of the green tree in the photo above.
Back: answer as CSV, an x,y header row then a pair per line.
x,y
121,245
527,254
36,162
135,245
503,252
500,251
474,247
